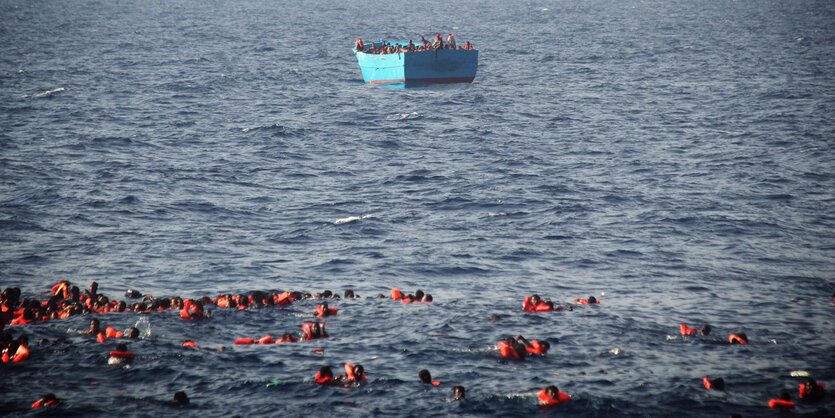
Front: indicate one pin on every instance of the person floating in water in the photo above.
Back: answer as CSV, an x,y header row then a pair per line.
x,y
534,346
48,400
783,402
459,392
811,390
313,330
180,399
512,349
426,377
551,396
739,338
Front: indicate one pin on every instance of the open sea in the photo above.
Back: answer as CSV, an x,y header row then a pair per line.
x,y
675,159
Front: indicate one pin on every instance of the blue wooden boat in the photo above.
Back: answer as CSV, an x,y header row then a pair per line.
x,y
433,66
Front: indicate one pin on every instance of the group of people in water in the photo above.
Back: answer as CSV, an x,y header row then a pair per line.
x,y
424,45
67,300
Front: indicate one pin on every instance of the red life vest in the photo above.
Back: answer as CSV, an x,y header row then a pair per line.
x,y
535,348
547,400
121,354
349,374
265,340
396,294
222,302
309,334
685,330
507,352
20,320
707,383
736,339
40,402
779,403
101,337
323,380
320,311
543,307
19,356
190,343
527,305
812,392
191,310
285,298
241,341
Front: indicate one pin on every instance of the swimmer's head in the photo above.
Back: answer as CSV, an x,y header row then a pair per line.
x,y
348,293
706,329
718,383
545,345
94,324
535,299
552,391
326,371
592,299
419,294
458,392
359,371
121,347
424,376
381,296
181,398
133,333
287,336
314,328
427,298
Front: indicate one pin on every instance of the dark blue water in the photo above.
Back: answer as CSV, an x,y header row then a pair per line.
x,y
675,159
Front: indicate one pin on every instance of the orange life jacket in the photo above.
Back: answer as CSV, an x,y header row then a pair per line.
x,y
320,311
323,380
736,339
349,374
543,307
190,343
266,340
547,400
779,403
241,341
285,298
707,383
685,330
40,403
811,395
101,337
396,294
535,348
19,356
507,352
191,310
309,334
527,305
121,354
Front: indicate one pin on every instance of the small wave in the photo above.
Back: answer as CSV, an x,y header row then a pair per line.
x,y
495,214
404,116
351,219
46,93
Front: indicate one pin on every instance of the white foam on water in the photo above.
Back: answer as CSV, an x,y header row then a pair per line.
x,y
351,219
49,92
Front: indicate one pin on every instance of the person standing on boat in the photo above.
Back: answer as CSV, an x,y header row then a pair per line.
x,y
439,42
450,41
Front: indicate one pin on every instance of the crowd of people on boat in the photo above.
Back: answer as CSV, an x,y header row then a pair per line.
x,y
66,300
424,45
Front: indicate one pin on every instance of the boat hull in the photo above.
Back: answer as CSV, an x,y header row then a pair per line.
x,y
436,66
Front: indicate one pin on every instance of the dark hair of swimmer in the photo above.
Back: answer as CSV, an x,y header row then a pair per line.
x,y
359,371
424,376
545,345
706,329
326,371
592,299
535,299
287,336
427,298
349,294
552,391
718,383
122,347
381,296
459,392
315,330
327,294
133,333
418,294
49,397
181,398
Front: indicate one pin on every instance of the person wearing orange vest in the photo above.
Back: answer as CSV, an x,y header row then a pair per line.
x,y
740,338
314,330
512,349
534,346
324,376
715,384
552,396
811,390
323,310
450,41
426,377
354,374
